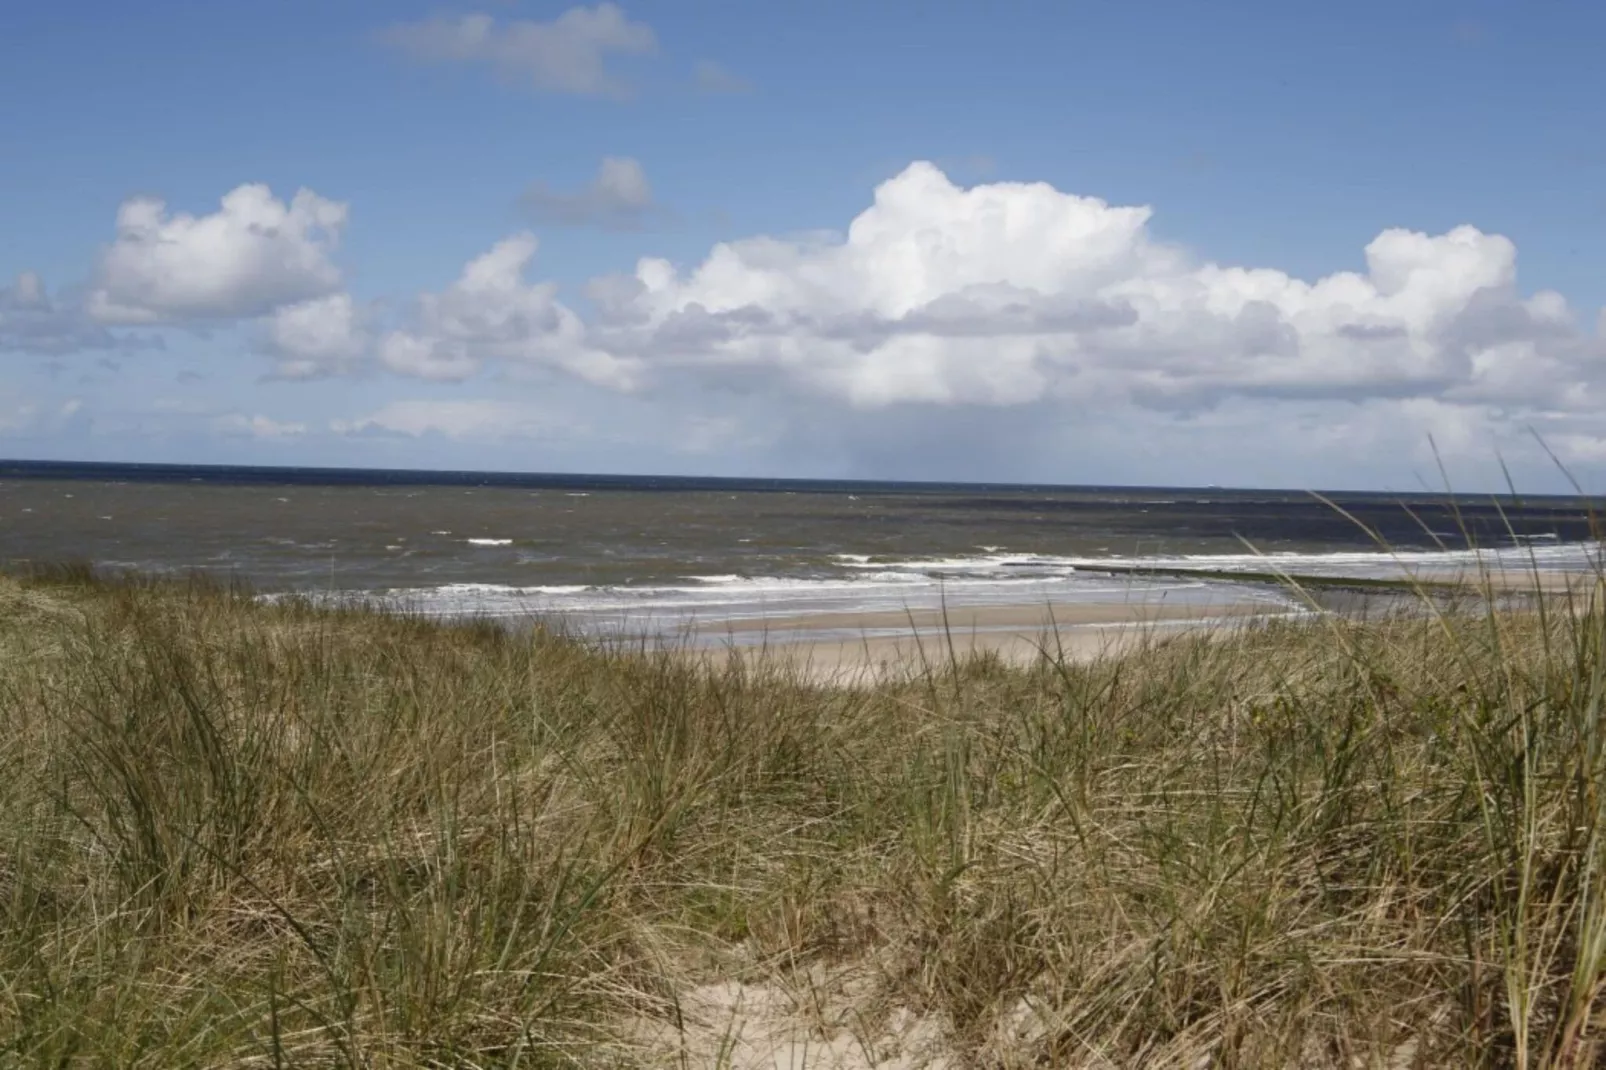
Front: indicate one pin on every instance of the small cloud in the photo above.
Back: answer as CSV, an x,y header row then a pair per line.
x,y
18,417
1469,32
710,77
26,416
27,292
570,54
619,198
258,426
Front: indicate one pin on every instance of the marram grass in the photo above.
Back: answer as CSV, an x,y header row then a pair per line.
x,y
240,834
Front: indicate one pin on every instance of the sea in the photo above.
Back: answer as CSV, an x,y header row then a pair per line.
x,y
654,554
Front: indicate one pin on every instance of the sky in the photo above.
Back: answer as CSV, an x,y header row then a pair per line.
x,y
1246,243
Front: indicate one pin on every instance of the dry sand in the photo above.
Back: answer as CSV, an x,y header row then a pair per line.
x,y
766,1027
859,648
1550,581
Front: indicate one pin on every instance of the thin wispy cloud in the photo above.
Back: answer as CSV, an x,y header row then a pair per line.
x,y
711,77
32,320
570,54
618,198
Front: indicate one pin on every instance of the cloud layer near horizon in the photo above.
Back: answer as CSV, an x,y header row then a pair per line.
x,y
999,297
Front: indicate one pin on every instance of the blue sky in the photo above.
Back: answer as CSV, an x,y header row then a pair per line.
x,y
993,314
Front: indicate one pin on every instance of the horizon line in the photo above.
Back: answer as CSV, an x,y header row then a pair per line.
x,y
21,468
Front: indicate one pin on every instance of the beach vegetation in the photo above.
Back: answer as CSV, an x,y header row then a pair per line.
x,y
239,832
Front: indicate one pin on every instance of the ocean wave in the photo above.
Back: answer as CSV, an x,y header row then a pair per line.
x,y
707,601
863,583
1544,554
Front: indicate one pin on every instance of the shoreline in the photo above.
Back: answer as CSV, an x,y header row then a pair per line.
x,y
862,646
872,659
847,648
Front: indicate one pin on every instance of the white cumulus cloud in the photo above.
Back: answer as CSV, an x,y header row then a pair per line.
x,y
253,255
321,337
567,55
491,313
1010,293
943,326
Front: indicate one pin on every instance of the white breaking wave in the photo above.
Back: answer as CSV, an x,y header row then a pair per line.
x,y
861,583
713,600
1353,564
1378,564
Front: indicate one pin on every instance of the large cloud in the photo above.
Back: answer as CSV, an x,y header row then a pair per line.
x,y
1010,293
567,55
253,255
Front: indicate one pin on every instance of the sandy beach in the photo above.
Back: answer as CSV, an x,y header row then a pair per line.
x,y
861,648
853,648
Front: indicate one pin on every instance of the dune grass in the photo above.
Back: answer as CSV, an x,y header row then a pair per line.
x,y
236,834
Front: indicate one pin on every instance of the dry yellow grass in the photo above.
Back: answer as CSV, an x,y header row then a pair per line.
x,y
244,834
